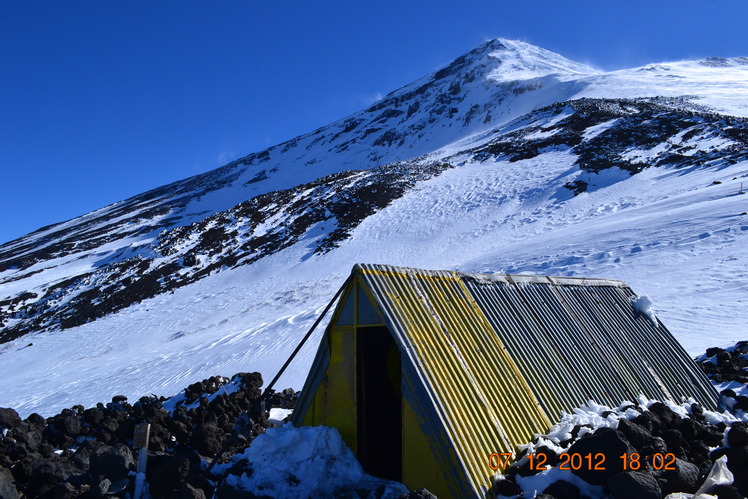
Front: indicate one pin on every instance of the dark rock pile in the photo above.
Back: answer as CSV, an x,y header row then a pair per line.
x,y
722,365
685,447
640,123
185,254
89,452
665,452
285,399
728,365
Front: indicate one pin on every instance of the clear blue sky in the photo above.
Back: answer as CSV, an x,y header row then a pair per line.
x,y
103,99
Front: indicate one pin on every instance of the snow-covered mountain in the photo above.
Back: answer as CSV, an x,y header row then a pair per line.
x,y
510,159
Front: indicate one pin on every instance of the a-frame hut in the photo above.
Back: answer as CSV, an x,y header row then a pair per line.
x,y
427,373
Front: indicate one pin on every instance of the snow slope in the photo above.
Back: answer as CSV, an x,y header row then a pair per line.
x,y
243,259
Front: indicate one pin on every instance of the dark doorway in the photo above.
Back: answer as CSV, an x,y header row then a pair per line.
x,y
380,416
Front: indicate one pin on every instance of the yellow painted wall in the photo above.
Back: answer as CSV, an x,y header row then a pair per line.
x,y
420,465
335,401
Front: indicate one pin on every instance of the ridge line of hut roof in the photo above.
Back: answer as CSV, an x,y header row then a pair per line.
x,y
492,277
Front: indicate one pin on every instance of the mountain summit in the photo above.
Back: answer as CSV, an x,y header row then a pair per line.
x,y
509,159
511,60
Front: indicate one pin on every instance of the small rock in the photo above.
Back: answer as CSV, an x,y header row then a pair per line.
x,y
180,430
699,452
29,436
673,439
650,422
65,490
207,439
8,418
728,393
607,441
187,491
70,425
46,450
506,488
636,435
710,436
418,494
724,357
697,412
109,424
737,436
737,463
561,489
727,492
285,399
170,472
712,351
634,484
741,402
685,477
37,420
101,488
688,428
45,475
655,445
93,416
7,486
666,415
551,458
114,462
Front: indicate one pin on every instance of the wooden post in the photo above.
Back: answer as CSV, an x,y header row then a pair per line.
x,y
140,438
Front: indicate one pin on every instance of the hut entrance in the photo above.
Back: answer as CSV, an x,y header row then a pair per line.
x,y
380,403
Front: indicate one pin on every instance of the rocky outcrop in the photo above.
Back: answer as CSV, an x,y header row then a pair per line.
x,y
722,365
89,452
228,239
666,451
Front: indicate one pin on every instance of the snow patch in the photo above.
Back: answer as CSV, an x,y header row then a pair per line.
x,y
305,462
536,484
739,388
593,416
595,130
278,416
643,305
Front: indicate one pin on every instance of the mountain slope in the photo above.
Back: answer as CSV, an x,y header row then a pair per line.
x,y
510,159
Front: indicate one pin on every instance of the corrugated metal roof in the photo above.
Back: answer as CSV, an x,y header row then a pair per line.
x,y
502,355
485,404
581,339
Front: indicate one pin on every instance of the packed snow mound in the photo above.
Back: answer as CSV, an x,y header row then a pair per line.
x,y
643,304
305,462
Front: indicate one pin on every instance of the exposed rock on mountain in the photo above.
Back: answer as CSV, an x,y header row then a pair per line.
x,y
511,158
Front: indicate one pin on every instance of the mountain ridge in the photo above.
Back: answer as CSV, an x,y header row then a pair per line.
x,y
248,253
231,171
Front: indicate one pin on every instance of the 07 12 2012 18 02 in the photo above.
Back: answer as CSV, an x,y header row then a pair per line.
x,y
593,462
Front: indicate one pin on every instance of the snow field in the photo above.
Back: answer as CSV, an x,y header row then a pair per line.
x,y
671,234
677,238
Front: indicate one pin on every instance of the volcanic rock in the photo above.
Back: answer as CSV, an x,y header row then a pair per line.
x,y
634,484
